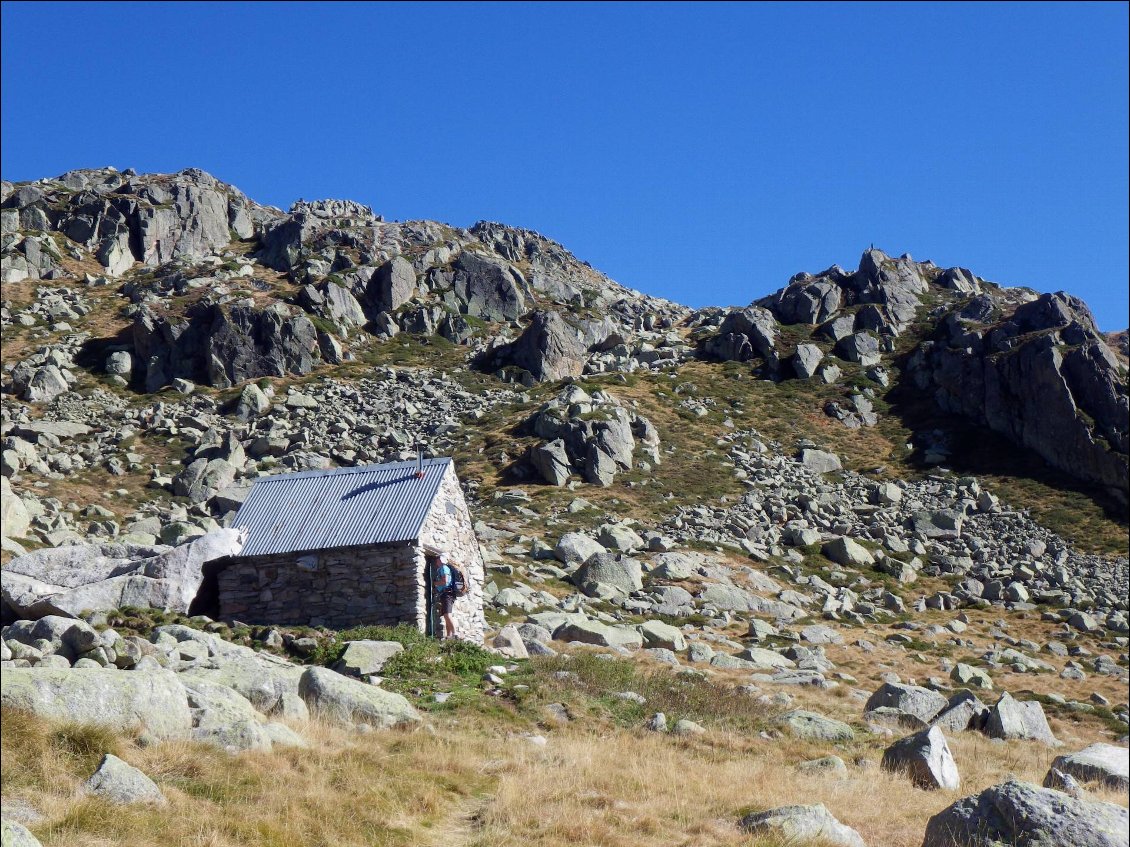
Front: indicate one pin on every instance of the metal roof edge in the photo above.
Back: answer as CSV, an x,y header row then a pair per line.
x,y
428,463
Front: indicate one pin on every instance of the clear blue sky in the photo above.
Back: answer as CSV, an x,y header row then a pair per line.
x,y
703,153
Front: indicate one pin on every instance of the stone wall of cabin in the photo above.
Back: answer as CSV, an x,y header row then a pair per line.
x,y
449,527
344,587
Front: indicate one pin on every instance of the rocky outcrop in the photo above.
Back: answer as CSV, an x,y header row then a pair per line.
x,y
70,580
49,371
743,334
1020,813
807,300
593,435
887,290
556,272
288,241
1043,377
28,256
125,218
224,345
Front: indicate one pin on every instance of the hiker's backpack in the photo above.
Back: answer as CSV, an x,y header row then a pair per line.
x,y
458,581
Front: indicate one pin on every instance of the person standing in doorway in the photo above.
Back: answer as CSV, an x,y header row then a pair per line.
x,y
443,588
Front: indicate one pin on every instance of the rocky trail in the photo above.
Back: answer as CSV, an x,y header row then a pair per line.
x,y
847,563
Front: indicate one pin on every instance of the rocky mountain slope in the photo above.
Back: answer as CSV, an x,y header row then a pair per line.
x,y
772,521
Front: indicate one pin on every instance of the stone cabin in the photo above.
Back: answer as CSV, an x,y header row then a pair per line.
x,y
349,547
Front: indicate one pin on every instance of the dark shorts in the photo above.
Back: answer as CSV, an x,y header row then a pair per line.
x,y
445,602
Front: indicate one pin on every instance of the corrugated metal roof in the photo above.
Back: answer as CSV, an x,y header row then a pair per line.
x,y
317,510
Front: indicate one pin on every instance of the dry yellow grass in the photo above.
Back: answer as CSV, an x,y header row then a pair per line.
x,y
381,789
629,790
469,780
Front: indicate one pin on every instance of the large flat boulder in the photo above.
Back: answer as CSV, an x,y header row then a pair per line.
x,y
589,631
348,701
364,658
573,548
764,659
922,703
1103,763
816,727
659,634
154,701
1024,814
848,552
820,461
265,681
802,825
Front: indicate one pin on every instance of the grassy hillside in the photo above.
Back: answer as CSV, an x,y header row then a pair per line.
x,y
478,774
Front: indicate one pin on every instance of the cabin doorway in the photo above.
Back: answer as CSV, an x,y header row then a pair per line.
x,y
431,614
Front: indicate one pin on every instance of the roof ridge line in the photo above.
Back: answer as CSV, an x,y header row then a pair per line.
x,y
409,463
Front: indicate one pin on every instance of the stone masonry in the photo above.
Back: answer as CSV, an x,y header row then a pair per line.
x,y
448,527
338,588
